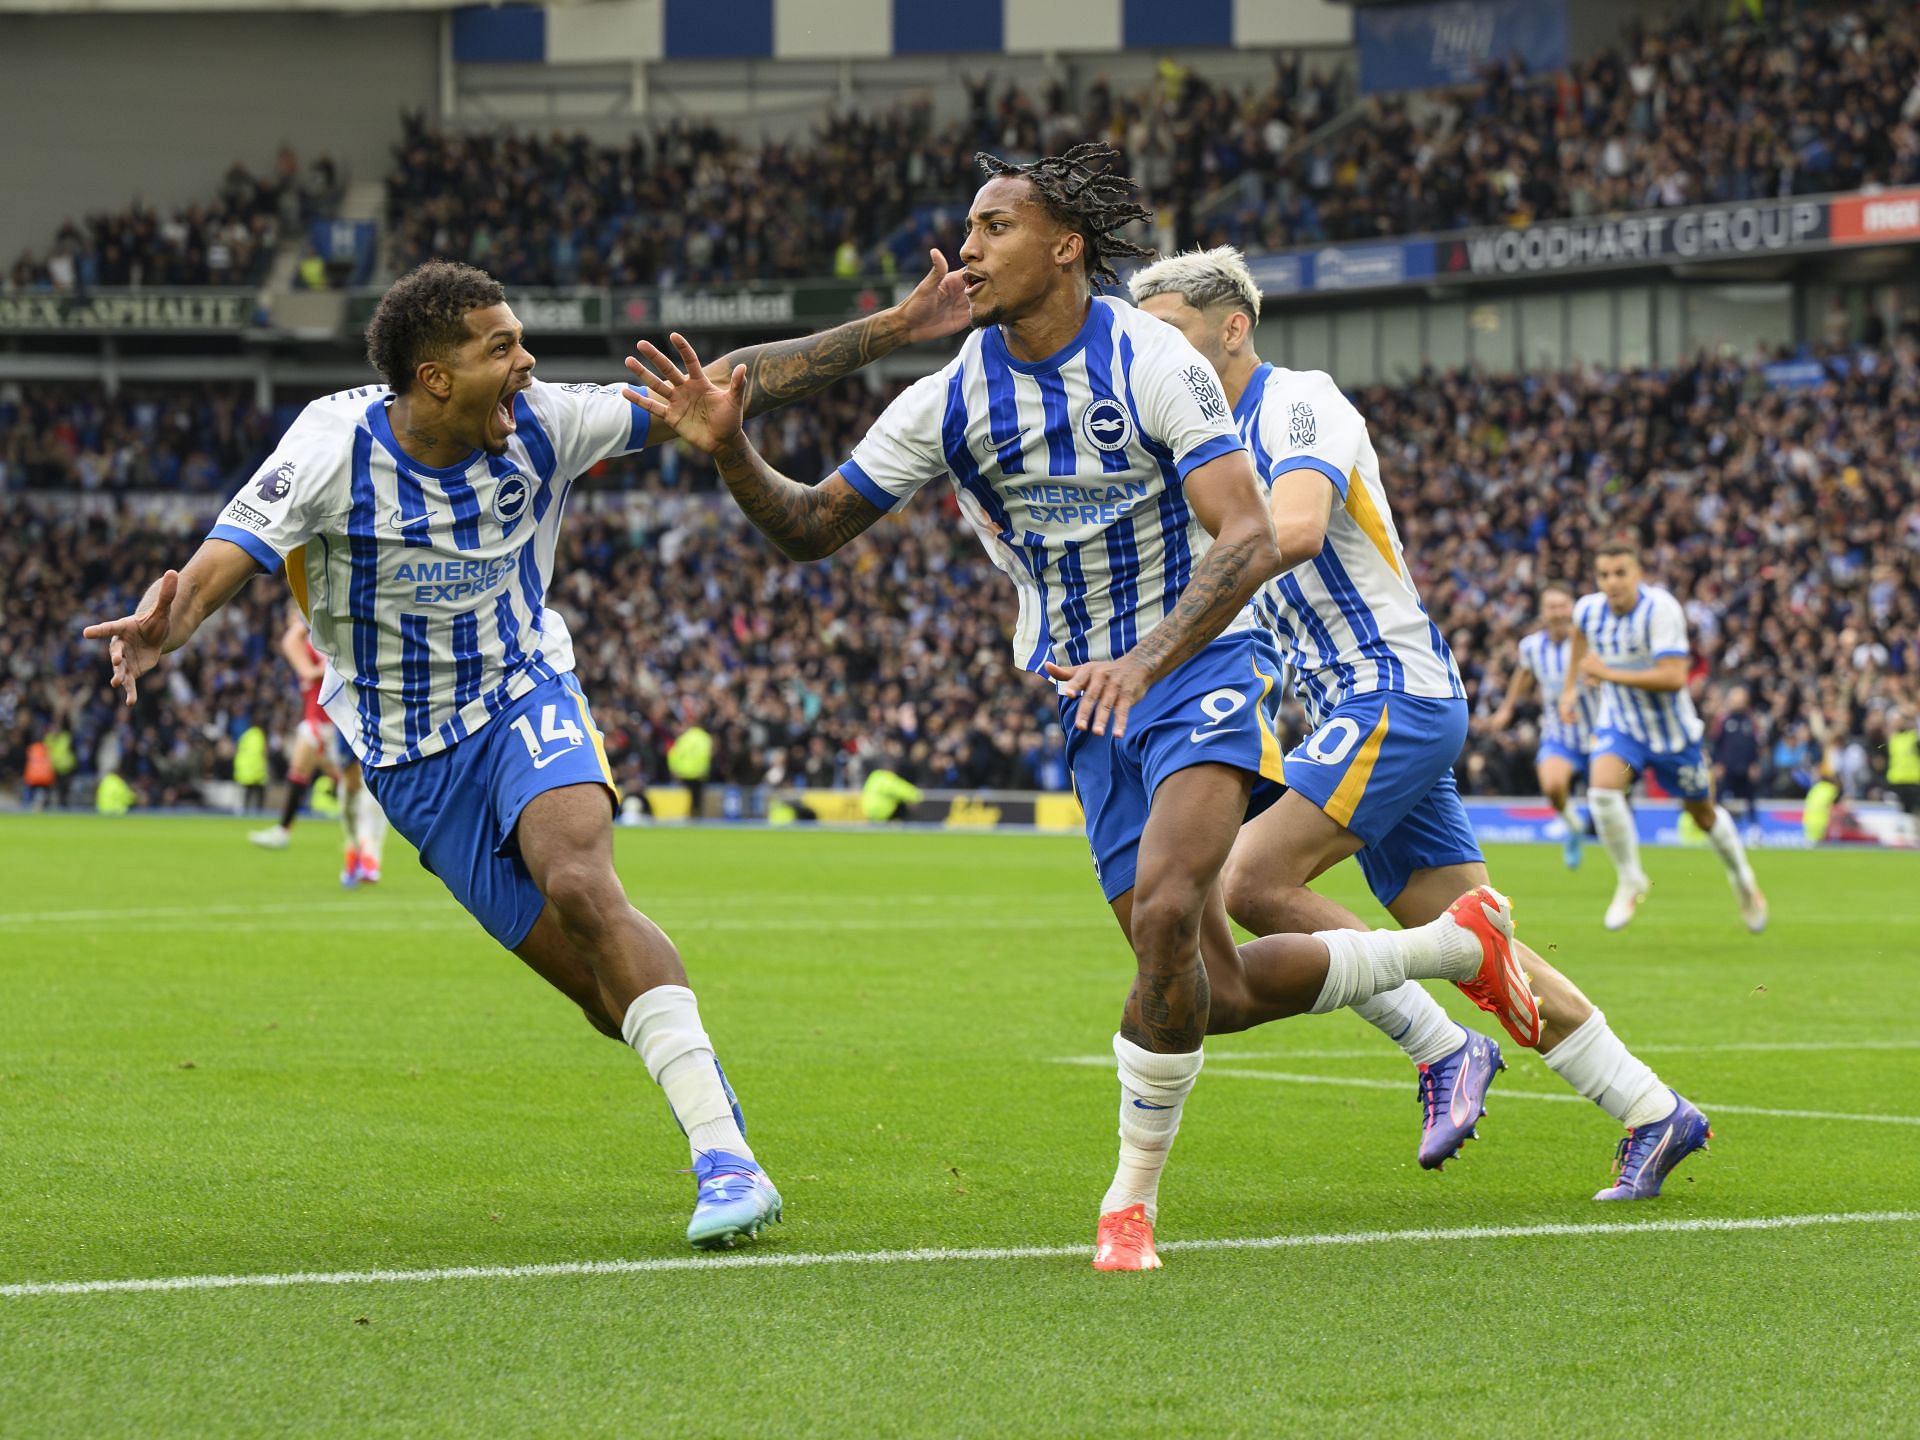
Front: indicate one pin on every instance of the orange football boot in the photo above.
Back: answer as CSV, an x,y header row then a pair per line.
x,y
1125,1241
1501,988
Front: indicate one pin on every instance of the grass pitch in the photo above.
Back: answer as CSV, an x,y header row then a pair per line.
x,y
212,1062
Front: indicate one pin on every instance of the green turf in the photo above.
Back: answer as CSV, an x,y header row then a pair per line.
x,y
212,1061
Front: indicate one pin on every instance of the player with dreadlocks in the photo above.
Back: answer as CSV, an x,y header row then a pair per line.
x,y
1091,449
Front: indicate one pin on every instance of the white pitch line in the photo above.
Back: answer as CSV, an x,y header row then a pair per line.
x,y
774,1260
1354,1082
1756,1047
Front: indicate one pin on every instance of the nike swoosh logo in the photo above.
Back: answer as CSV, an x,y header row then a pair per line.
x,y
1143,1105
400,524
1457,1106
1197,736
546,760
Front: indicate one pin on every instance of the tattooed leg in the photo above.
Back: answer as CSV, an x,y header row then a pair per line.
x,y
1190,828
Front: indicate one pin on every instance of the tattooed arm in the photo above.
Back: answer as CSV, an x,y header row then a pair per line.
x,y
782,371
1243,556
805,522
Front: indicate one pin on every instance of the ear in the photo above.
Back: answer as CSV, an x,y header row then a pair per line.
x,y
433,377
1239,326
1069,247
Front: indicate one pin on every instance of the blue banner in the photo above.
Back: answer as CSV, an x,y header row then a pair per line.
x,y
1371,266
1424,47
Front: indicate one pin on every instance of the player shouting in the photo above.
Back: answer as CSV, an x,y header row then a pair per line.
x,y
1374,778
1091,449
417,523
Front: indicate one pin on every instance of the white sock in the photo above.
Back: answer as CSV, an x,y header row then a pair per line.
x,y
371,822
1414,1021
1593,1061
1725,839
1364,963
1153,1088
1614,821
1570,816
349,805
663,1025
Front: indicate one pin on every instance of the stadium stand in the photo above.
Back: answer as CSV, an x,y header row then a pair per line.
x,y
1787,518
228,240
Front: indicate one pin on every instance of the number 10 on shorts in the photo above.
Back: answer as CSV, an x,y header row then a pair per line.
x,y
562,735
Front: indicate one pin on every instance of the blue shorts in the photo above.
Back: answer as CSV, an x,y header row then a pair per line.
x,y
1554,750
459,807
1382,766
1685,773
1216,709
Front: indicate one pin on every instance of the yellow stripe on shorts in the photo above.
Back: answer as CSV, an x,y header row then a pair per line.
x,y
1353,785
599,746
1272,760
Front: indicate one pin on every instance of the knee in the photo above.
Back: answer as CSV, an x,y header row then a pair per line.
x,y
587,898
1166,926
1240,888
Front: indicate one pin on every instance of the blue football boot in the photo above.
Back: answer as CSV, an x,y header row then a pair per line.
x,y
735,1198
1453,1097
1647,1156
1570,847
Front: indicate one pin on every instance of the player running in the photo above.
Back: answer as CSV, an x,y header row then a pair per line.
x,y
1545,663
1096,459
417,522
1630,643
316,746
1374,778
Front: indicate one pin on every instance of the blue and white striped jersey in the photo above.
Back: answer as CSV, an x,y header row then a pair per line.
x,y
1072,470
425,587
1664,721
1349,620
1546,659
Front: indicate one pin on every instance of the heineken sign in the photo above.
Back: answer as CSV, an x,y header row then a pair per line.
x,y
801,305
130,311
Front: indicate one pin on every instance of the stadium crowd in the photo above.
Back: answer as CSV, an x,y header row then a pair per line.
x,y
1677,114
228,240
1786,517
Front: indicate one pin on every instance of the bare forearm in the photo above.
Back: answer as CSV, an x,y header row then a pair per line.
x,y
1227,577
782,371
1658,679
804,522
189,610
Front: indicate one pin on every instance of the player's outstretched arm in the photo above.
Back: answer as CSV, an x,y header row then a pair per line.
x,y
1518,687
782,371
1242,558
805,522
173,608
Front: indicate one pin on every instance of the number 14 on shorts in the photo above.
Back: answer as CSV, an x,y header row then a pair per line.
x,y
557,737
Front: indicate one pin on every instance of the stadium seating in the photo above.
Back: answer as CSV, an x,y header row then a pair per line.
x,y
1785,517
227,240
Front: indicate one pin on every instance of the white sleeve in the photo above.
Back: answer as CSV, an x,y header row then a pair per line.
x,y
1668,627
582,425
902,452
1178,400
295,492
1312,426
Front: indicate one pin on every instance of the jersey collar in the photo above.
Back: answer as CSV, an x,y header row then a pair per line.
x,y
382,426
996,344
1250,397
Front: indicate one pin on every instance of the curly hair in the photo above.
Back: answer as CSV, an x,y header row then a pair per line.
x,y
423,315
1079,192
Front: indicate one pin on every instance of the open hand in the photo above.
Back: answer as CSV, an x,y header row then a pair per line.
x,y
938,305
135,642
1107,691
700,412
